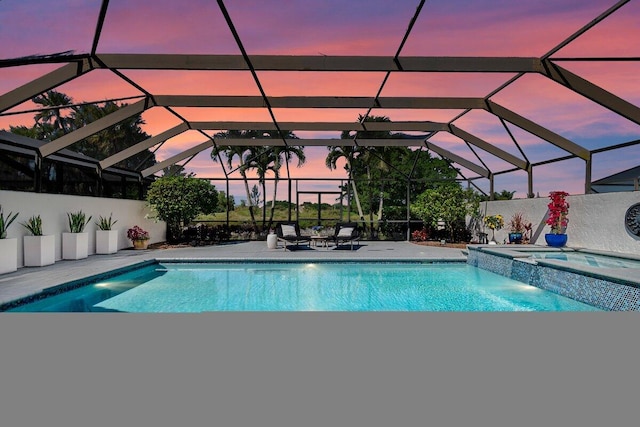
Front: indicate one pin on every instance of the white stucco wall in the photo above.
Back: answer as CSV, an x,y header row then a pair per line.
x,y
596,221
53,209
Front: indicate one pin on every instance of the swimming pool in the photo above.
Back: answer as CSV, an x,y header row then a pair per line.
x,y
168,287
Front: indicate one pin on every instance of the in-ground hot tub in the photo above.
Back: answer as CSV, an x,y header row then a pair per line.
x,y
605,279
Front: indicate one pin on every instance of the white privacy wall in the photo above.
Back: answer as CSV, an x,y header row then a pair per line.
x,y
596,221
53,209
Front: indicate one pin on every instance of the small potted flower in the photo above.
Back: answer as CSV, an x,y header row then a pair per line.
x,y
316,229
139,237
494,222
518,225
558,219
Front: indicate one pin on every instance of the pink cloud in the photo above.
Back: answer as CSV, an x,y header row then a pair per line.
x,y
514,29
479,27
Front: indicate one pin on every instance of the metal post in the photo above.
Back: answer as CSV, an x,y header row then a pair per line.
x,y
289,206
227,201
587,178
99,186
491,190
37,173
408,209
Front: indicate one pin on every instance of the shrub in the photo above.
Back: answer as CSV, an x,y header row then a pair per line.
x,y
450,204
178,200
420,235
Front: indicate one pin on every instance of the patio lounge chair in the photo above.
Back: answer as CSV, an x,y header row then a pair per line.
x,y
346,232
289,233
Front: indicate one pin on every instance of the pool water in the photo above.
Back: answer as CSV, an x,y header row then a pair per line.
x,y
202,287
592,260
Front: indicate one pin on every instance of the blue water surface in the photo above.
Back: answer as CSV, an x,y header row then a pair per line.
x,y
202,287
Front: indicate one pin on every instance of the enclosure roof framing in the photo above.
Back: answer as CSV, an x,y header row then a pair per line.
x,y
441,64
500,99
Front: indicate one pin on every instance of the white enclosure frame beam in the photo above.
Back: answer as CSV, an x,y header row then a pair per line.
x,y
93,128
175,159
144,145
321,63
42,84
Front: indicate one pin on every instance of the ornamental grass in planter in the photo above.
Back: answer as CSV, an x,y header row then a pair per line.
x,y
8,247
39,249
106,236
75,243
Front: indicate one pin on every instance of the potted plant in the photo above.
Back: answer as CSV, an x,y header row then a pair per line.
x,y
139,237
557,219
494,222
39,250
75,243
8,247
106,236
517,227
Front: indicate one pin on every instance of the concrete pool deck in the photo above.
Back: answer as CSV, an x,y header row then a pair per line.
x,y
32,280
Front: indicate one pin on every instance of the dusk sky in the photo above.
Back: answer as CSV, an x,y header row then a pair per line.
x,y
507,28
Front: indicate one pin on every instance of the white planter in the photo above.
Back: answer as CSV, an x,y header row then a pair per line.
x,y
8,255
106,241
39,250
75,245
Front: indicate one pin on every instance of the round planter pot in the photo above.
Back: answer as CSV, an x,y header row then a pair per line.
x,y
556,240
140,244
515,238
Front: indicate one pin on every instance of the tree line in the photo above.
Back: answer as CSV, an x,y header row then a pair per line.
x,y
382,180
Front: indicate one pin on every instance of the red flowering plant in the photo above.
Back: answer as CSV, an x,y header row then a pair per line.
x,y
137,233
558,212
420,235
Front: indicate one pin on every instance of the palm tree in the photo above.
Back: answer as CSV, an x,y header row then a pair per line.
x,y
349,153
379,159
280,155
50,118
261,159
174,170
230,152
374,162
114,139
50,123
